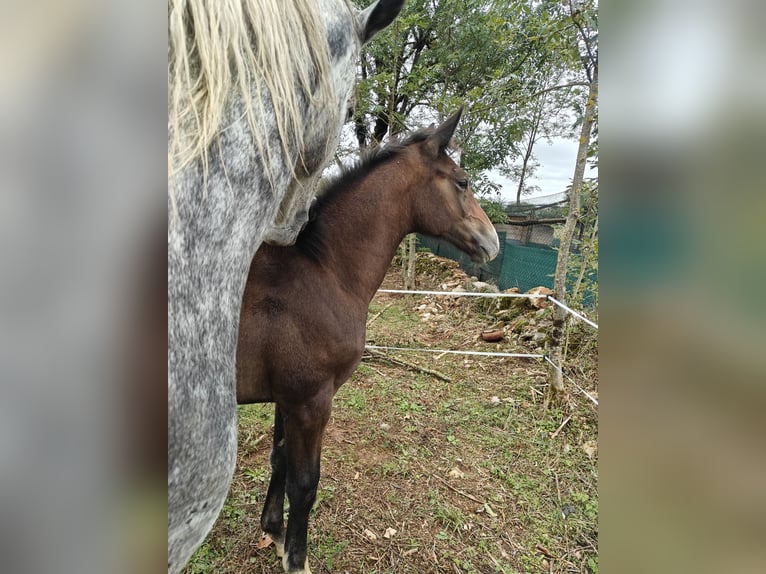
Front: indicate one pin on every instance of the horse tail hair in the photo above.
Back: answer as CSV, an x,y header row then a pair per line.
x,y
229,49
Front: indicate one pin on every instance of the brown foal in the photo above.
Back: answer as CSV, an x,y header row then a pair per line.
x,y
302,324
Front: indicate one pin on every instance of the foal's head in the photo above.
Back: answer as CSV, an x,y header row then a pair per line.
x,y
445,205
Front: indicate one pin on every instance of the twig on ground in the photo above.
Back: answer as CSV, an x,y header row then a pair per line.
x,y
561,426
378,314
453,489
378,355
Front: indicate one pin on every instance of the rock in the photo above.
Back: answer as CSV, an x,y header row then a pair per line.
x,y
493,335
389,533
539,337
539,303
483,287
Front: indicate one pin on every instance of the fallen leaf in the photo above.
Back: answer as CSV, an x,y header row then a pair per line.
x,y
389,533
264,542
456,473
590,447
370,534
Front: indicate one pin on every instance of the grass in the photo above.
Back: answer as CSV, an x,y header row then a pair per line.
x,y
475,476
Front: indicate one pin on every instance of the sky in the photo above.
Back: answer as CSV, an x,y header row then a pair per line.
x,y
557,161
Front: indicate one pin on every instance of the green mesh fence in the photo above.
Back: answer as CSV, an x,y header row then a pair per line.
x,y
484,271
527,266
522,266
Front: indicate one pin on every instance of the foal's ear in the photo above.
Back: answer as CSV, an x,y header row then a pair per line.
x,y
438,141
377,16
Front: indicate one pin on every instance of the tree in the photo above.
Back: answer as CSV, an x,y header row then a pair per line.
x,y
584,18
503,61
516,66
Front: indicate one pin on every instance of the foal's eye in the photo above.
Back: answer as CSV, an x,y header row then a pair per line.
x,y
462,184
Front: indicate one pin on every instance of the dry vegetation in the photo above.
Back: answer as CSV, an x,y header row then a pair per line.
x,y
422,474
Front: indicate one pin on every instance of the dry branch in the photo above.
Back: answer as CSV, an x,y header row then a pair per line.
x,y
378,355
378,314
460,492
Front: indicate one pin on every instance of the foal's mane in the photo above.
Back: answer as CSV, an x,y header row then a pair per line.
x,y
311,240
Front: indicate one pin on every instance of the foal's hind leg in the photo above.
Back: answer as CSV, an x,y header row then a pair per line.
x,y
273,509
304,427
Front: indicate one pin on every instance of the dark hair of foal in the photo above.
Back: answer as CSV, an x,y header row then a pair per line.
x,y
311,239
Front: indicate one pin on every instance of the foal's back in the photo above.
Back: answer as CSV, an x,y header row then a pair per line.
x,y
300,330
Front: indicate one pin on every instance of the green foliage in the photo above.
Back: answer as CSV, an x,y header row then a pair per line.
x,y
494,210
502,60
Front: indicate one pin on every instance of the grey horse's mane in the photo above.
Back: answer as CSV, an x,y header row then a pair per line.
x,y
219,50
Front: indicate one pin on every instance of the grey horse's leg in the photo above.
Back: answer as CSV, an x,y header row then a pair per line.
x,y
304,428
272,521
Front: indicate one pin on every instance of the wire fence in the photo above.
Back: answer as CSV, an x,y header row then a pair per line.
x,y
544,357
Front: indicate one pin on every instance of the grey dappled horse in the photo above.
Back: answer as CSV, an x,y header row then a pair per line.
x,y
257,93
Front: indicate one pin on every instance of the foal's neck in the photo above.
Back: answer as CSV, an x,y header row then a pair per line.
x,y
368,225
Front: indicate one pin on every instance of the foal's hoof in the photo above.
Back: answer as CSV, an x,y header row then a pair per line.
x,y
279,545
304,570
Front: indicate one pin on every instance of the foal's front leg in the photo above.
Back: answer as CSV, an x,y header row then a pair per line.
x,y
304,427
272,521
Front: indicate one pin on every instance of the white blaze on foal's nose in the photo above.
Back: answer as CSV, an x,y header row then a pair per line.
x,y
495,243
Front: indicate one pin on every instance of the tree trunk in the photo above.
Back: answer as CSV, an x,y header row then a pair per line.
x,y
408,261
525,160
584,263
578,283
559,281
361,129
536,119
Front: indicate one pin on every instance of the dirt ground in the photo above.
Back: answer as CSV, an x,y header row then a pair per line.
x,y
443,464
